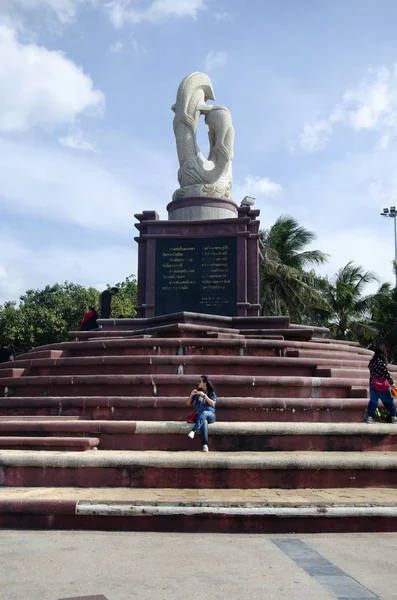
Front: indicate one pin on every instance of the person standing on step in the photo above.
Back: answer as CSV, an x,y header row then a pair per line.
x,y
5,353
105,301
204,399
380,382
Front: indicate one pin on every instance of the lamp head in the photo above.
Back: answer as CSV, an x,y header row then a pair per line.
x,y
247,201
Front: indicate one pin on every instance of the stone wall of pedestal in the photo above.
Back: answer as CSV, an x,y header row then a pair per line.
x,y
202,208
240,233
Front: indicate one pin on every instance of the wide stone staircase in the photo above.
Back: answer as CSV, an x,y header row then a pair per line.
x,y
93,433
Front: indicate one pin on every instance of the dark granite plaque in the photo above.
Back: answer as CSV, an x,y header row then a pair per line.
x,y
196,275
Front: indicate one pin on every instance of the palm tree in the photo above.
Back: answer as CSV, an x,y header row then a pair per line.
x,y
349,311
289,240
384,316
287,287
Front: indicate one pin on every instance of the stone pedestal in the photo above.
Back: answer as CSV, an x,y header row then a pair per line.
x,y
204,266
202,208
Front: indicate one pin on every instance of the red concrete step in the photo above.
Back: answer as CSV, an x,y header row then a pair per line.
x,y
271,337
326,348
261,437
283,470
344,343
57,426
196,324
173,330
352,366
144,385
215,511
46,418
7,371
174,408
172,346
336,361
327,353
189,346
350,373
288,334
48,443
37,353
178,365
204,320
224,336
347,373
245,365
223,436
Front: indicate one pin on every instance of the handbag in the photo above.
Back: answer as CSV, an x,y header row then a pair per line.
x,y
380,384
191,418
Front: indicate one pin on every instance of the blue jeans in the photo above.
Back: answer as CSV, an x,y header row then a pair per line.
x,y
386,398
201,422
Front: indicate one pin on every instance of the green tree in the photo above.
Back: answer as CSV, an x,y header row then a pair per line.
x,y
350,316
288,287
384,317
46,316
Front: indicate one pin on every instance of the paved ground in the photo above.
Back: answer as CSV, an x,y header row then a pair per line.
x,y
121,566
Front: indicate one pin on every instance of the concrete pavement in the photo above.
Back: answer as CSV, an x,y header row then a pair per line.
x,y
121,566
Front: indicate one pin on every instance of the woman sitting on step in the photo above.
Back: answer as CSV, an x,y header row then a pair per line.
x,y
379,376
204,399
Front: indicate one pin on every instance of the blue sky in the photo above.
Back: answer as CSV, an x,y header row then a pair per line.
x,y
86,138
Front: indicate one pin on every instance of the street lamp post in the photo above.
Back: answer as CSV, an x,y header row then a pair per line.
x,y
392,214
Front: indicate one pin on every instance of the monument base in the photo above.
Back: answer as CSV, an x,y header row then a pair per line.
x,y
201,266
195,325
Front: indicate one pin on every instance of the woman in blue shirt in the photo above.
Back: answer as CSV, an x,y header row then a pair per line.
x,y
204,399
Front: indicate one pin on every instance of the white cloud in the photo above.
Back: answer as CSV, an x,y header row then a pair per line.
x,y
123,12
373,102
120,12
373,250
91,191
257,186
60,186
221,16
11,283
23,267
135,44
315,135
116,47
290,147
370,106
77,141
64,10
341,201
215,60
384,141
39,87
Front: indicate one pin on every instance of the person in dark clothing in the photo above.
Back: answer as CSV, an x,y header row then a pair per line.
x,y
105,301
204,399
89,321
378,368
5,353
